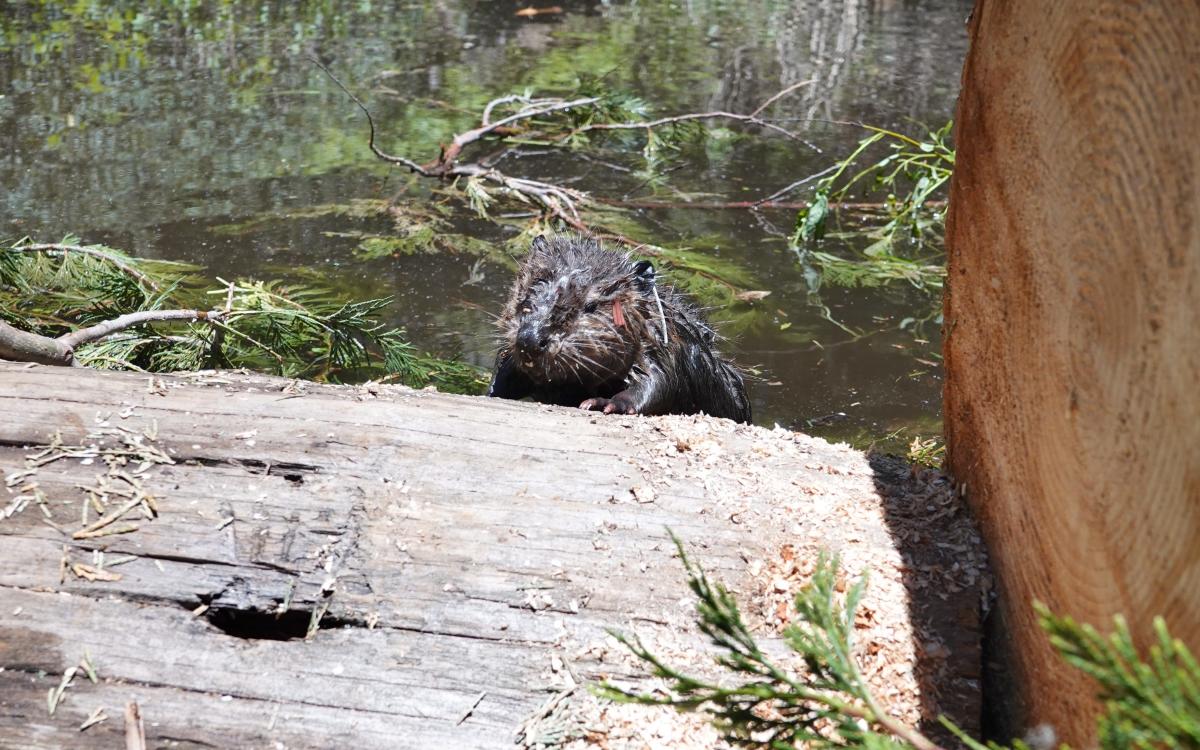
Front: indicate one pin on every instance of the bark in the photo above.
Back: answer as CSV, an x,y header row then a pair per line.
x,y
22,346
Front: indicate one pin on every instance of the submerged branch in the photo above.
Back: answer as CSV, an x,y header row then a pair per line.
x,y
694,116
780,94
866,206
555,200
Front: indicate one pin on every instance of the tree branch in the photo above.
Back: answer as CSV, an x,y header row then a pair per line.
x,y
108,327
451,152
798,183
865,207
556,200
716,115
411,165
776,97
20,346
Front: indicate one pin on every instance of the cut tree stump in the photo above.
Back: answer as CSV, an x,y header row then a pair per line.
x,y
1072,343
388,568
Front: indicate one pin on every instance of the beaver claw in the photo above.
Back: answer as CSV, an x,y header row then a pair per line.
x,y
618,404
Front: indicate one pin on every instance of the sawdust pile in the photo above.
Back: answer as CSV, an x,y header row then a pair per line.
x,y
916,639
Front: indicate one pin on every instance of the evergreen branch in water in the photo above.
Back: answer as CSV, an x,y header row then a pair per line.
x,y
66,308
761,703
95,251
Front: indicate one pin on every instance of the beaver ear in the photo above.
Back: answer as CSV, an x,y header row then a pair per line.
x,y
539,246
644,270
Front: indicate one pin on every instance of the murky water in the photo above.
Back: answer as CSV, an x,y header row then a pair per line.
x,y
152,126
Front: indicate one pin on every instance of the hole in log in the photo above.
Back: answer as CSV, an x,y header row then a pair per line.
x,y
257,625
269,624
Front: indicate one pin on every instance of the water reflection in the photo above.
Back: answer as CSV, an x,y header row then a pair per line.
x,y
146,127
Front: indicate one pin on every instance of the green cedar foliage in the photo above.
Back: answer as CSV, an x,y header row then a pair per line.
x,y
761,703
288,329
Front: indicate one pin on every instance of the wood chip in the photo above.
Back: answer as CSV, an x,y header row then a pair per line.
x,y
89,531
89,573
135,733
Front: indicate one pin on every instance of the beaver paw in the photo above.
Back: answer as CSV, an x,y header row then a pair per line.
x,y
618,404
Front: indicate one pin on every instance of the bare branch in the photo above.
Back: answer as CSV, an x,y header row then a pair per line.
x,y
93,251
780,95
487,110
451,152
556,200
601,162
559,201
798,183
412,165
21,346
766,203
100,330
717,115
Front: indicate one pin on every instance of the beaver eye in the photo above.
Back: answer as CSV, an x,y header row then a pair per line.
x,y
591,307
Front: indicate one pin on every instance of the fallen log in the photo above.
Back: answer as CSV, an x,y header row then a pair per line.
x,y
297,565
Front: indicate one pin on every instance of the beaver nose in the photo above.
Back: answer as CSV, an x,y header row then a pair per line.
x,y
532,341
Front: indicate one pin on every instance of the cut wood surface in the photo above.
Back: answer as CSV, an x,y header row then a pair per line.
x,y
1073,325
316,566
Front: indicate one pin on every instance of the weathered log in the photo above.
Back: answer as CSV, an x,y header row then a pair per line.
x,y
317,566
1073,326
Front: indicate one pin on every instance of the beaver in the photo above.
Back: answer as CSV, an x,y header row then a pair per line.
x,y
590,327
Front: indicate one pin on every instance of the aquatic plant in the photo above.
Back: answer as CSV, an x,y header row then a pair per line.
x,y
897,239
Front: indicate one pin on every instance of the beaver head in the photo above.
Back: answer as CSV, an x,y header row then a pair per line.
x,y
578,312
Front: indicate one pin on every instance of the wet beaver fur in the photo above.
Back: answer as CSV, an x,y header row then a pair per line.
x,y
590,327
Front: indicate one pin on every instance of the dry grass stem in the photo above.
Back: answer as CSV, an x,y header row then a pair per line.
x,y
94,718
55,695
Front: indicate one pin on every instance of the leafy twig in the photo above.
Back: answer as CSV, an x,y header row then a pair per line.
x,y
1149,703
826,706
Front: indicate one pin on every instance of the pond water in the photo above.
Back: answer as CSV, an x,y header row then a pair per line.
x,y
156,127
